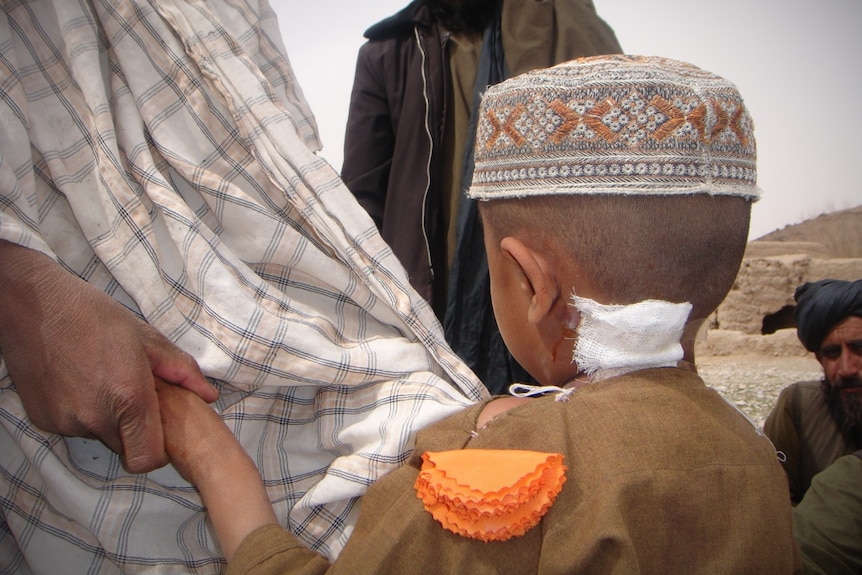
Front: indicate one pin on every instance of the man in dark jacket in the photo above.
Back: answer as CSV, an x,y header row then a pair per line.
x,y
408,145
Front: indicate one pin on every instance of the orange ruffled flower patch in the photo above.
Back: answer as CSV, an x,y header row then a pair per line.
x,y
489,494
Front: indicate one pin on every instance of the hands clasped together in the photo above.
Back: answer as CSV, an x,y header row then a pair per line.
x,y
83,364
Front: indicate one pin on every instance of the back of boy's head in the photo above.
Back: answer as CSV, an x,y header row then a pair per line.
x,y
641,169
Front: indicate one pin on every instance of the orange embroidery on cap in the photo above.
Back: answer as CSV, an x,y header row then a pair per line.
x,y
507,127
489,494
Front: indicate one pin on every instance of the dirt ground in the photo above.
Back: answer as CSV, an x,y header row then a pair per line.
x,y
752,382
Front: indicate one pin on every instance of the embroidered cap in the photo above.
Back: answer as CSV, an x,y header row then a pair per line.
x,y
614,125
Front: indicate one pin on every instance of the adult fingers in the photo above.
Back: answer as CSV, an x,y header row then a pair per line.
x,y
175,366
139,427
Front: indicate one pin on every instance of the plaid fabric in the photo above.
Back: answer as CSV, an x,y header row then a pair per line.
x,y
163,151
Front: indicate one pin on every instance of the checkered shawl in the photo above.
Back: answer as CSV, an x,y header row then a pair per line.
x,y
162,151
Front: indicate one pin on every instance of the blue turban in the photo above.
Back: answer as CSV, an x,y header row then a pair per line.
x,y
823,304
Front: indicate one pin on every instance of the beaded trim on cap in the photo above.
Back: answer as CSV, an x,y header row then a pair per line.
x,y
614,125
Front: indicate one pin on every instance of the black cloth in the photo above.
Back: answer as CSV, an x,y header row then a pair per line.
x,y
470,326
821,305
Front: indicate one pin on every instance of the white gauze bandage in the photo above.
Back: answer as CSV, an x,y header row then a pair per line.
x,y
617,339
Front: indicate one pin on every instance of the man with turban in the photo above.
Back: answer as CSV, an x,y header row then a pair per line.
x,y
814,423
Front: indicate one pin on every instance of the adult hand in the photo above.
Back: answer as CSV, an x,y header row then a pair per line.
x,y
83,364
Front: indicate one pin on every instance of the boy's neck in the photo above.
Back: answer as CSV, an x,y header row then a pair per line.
x,y
689,339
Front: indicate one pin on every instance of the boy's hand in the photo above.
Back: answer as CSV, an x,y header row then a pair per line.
x,y
195,436
205,452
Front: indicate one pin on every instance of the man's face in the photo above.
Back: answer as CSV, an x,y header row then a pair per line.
x,y
841,357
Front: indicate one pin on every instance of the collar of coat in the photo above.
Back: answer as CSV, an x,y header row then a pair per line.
x,y
402,22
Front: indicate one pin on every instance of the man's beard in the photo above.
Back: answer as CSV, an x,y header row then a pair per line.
x,y
844,399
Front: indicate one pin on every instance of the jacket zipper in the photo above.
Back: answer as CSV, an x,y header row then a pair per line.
x,y
431,147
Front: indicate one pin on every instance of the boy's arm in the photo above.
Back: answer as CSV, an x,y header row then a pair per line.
x,y
205,452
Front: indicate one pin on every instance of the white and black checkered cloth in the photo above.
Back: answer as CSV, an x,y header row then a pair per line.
x,y
162,151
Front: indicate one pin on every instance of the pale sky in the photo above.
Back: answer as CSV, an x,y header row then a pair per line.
x,y
796,65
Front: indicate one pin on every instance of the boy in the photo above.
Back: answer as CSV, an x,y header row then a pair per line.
x,y
615,196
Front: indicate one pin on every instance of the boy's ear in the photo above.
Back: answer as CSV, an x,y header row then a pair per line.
x,y
538,282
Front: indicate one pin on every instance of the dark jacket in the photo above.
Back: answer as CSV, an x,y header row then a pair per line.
x,y
395,130
397,112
